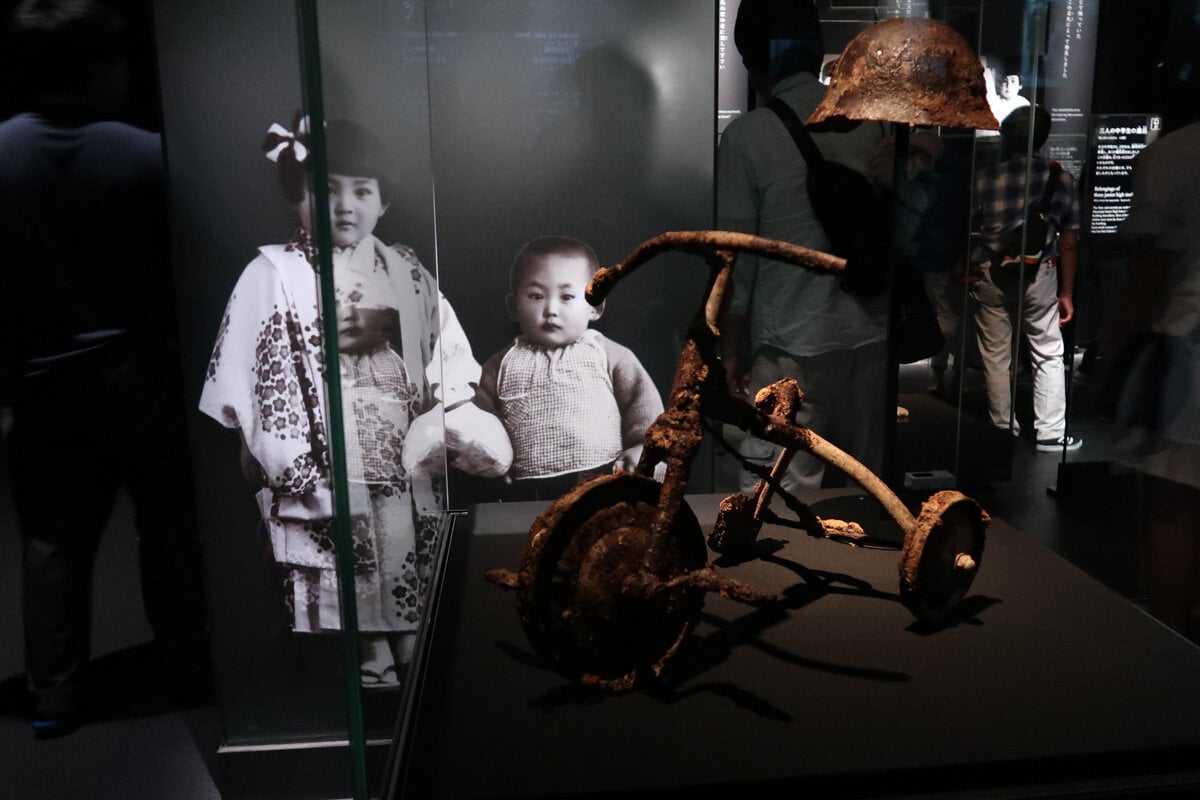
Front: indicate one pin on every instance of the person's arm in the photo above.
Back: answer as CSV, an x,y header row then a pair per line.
x,y
486,396
1068,261
261,392
475,435
977,252
251,469
736,211
1068,248
456,372
637,399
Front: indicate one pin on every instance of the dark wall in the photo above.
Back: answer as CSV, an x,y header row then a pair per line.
x,y
1149,60
593,120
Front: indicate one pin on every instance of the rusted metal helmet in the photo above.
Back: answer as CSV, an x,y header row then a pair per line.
x,y
912,70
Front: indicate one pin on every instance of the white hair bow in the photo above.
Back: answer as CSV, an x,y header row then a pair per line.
x,y
280,138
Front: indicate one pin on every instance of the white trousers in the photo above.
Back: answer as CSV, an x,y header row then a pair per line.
x,y
998,294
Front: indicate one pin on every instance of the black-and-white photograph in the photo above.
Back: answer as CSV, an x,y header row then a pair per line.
x,y
512,398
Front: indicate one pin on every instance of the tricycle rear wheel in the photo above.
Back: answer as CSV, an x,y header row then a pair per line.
x,y
941,555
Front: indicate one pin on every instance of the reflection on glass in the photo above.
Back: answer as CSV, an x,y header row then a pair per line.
x,y
782,322
265,379
1003,85
1150,369
1022,275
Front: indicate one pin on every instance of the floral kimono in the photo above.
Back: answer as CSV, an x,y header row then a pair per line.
x,y
266,379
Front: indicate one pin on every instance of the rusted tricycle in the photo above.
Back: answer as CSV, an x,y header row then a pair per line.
x,y
613,575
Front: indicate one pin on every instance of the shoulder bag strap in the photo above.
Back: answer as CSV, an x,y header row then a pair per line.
x,y
800,134
1051,185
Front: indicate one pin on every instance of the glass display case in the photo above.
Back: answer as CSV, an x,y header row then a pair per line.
x,y
588,122
323,356
359,193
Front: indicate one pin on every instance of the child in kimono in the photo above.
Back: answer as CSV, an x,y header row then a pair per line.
x,y
266,379
574,402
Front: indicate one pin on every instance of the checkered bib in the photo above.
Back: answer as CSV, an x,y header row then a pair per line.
x,y
558,407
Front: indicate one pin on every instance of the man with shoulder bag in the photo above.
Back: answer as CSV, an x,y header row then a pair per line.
x,y
1023,267
826,332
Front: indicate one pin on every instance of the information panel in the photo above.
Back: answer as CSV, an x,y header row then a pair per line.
x,y
732,92
1116,141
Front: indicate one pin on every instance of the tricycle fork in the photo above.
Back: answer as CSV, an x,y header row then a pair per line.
x,y
675,436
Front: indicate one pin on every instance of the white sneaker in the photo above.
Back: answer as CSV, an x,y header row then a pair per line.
x,y
1059,443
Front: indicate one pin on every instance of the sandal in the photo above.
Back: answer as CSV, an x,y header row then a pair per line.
x,y
387,679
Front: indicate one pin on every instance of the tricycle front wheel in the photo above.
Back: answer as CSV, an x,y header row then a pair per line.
x,y
581,596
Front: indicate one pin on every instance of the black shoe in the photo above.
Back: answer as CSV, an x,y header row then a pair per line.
x,y
52,727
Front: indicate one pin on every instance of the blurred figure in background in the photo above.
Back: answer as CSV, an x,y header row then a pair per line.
x,y
1035,291
1153,349
89,359
785,322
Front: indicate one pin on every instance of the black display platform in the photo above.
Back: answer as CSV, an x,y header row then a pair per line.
x,y
1049,685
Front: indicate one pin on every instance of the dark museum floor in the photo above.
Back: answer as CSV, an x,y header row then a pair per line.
x,y
141,747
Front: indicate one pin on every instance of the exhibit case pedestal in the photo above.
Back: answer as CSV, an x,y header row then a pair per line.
x,y
1044,684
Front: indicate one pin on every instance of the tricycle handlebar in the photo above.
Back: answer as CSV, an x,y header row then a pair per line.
x,y
710,243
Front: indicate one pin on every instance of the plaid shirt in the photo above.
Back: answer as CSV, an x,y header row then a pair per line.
x,y
1000,203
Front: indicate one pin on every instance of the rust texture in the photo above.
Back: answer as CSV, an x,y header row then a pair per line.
x,y
614,572
736,528
911,70
934,575
842,529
